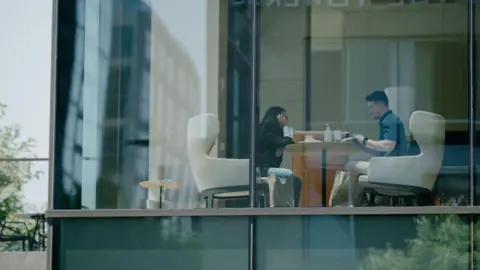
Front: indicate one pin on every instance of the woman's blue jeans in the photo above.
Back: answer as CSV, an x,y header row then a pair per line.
x,y
288,174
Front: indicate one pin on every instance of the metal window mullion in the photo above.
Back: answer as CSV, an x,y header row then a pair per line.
x,y
255,52
471,124
23,159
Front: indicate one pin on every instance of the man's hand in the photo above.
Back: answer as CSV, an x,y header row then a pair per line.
x,y
359,138
383,145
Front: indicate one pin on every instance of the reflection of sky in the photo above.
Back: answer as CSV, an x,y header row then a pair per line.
x,y
189,30
25,28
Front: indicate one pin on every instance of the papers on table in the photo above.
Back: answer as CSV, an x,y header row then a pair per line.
x,y
312,140
349,139
308,140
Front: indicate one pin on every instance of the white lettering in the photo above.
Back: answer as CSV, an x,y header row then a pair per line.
x,y
338,3
292,3
271,2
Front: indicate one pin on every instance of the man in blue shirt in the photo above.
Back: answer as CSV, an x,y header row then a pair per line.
x,y
391,140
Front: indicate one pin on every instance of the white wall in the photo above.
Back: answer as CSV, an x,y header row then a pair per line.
x,y
386,47
23,260
282,65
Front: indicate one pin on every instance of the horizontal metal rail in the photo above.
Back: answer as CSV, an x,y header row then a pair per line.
x,y
307,211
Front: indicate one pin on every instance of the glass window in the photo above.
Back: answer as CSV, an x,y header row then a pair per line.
x,y
175,243
142,102
392,76
389,77
363,242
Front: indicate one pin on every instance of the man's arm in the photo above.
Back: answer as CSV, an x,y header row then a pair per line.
x,y
382,146
369,151
390,135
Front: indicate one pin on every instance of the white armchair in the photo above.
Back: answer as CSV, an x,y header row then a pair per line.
x,y
213,176
410,175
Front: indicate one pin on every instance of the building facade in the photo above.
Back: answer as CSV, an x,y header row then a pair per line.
x,y
130,75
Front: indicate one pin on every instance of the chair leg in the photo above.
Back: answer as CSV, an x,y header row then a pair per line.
x,y
364,200
371,200
263,196
368,199
258,199
424,199
265,199
208,201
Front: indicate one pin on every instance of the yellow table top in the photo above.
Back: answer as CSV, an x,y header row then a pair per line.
x,y
159,184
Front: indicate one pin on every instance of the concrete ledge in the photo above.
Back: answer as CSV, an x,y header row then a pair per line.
x,y
23,260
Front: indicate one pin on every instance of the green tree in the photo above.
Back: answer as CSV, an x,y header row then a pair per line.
x,y
13,174
442,242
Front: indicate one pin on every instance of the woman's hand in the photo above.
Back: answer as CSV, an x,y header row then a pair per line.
x,y
288,140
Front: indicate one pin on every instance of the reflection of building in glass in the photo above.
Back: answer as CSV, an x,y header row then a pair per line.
x,y
69,106
104,107
175,97
124,163
135,101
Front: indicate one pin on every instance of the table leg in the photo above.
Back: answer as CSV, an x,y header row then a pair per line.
x,y
160,194
324,178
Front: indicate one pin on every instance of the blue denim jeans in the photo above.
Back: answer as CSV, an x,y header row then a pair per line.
x,y
280,172
288,174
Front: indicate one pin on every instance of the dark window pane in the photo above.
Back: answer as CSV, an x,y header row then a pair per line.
x,y
363,242
142,243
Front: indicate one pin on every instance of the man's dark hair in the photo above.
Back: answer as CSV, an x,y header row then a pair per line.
x,y
378,96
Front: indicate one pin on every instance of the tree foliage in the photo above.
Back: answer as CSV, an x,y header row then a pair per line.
x,y
13,174
442,242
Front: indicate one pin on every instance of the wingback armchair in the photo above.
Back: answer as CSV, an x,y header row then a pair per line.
x,y
410,175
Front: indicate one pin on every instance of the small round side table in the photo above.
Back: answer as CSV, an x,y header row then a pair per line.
x,y
160,185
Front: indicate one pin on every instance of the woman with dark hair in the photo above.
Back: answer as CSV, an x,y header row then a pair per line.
x,y
271,143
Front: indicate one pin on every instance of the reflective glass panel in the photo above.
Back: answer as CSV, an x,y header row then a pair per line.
x,y
145,117
363,242
143,243
376,88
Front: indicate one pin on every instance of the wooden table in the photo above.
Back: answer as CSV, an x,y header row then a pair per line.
x,y
307,156
160,185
